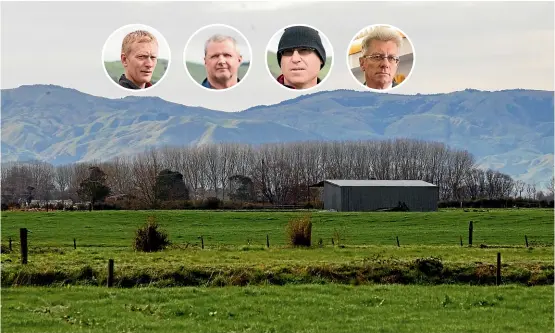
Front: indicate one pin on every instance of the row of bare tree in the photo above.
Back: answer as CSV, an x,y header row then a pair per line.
x,y
278,173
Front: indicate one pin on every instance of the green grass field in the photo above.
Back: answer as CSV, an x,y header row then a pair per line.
x,y
364,248
116,228
305,308
363,282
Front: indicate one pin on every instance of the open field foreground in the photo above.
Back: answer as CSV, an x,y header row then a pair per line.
x,y
301,308
116,228
235,252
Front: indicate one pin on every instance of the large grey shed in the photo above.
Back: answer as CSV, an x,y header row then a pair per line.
x,y
369,195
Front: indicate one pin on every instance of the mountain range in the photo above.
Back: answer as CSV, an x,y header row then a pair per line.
x,y
510,130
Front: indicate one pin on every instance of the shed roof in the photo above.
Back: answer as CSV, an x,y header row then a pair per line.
x,y
380,183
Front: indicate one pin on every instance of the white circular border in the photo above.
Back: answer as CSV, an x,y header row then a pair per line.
x,y
321,35
211,26
148,28
392,88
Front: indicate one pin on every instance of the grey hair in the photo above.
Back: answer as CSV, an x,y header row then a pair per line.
x,y
217,38
382,33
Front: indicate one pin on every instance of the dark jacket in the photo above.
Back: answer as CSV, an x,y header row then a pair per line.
x,y
124,82
281,80
207,84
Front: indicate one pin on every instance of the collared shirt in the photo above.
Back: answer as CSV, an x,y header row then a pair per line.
x,y
393,84
207,84
126,83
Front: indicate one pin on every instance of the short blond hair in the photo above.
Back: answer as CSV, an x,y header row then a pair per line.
x,y
139,36
382,33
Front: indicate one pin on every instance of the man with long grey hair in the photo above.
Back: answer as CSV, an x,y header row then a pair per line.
x,y
380,57
222,60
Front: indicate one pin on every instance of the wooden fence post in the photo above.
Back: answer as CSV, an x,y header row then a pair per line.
x,y
267,240
498,278
461,241
470,230
74,244
23,242
526,239
110,282
398,241
10,244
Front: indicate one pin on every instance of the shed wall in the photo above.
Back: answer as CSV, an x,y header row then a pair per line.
x,y
332,197
367,198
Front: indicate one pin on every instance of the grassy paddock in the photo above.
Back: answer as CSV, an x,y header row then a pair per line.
x,y
302,308
235,250
445,227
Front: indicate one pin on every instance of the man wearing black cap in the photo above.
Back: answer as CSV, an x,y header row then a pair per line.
x,y
300,56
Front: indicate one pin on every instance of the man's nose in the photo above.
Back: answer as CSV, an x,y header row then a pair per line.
x,y
384,62
149,62
296,57
221,59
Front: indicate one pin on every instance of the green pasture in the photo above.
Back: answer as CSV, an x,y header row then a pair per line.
x,y
355,248
300,308
218,228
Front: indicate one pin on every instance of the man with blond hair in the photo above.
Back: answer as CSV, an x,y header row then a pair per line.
x,y
139,55
222,60
380,57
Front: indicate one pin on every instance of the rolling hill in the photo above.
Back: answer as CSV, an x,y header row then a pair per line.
x,y
510,130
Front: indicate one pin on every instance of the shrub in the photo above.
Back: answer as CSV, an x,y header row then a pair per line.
x,y
299,231
149,239
429,266
212,203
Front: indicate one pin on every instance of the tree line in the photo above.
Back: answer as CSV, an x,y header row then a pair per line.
x,y
277,173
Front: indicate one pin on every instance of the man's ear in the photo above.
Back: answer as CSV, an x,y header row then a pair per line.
x,y
361,63
123,58
240,59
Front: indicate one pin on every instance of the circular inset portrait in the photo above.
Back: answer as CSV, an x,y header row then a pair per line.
x,y
217,57
136,57
299,57
381,57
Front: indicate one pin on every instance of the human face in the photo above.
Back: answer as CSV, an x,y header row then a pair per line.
x,y
140,63
379,73
300,67
222,62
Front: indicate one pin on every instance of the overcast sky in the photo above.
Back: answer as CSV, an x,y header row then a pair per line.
x,y
481,45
